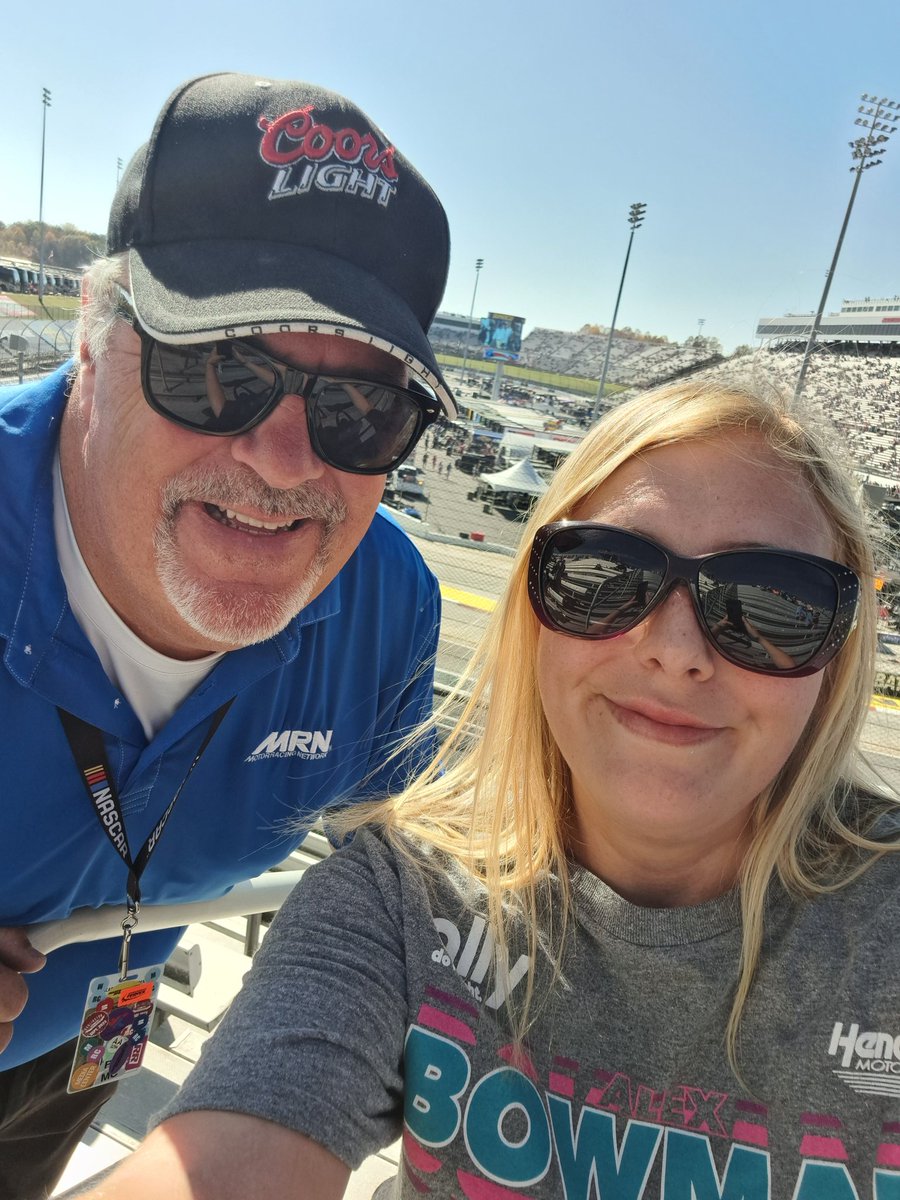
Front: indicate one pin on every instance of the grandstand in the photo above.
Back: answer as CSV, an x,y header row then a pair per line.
x,y
853,378
448,333
20,275
854,375
874,324
857,394
632,361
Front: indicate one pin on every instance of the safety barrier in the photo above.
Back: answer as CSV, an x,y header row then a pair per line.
x,y
31,345
266,893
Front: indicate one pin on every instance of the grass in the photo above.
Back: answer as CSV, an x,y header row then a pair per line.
x,y
569,383
56,308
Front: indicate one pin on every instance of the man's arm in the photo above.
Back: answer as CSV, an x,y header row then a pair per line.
x,y
225,1156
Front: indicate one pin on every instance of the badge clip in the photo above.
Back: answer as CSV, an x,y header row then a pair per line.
x,y
133,910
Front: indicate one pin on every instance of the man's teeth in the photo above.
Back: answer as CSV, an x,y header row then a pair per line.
x,y
241,521
273,525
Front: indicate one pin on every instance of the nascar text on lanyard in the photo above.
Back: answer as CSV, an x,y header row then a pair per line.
x,y
89,753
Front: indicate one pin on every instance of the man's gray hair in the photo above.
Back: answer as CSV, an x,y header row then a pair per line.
x,y
98,312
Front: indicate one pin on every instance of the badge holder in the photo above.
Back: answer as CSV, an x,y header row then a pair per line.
x,y
118,1017
115,1026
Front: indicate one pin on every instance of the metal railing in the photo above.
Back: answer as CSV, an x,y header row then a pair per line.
x,y
266,893
32,346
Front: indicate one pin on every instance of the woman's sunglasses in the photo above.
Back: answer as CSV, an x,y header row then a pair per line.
x,y
224,388
776,612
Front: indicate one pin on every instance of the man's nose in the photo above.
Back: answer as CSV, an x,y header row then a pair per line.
x,y
279,449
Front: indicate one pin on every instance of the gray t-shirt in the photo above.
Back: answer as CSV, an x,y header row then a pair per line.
x,y
375,1007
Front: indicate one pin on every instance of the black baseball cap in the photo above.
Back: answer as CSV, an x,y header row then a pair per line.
x,y
267,206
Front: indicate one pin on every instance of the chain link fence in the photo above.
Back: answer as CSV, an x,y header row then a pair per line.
x,y
33,346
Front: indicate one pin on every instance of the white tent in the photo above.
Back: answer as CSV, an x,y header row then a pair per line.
x,y
521,477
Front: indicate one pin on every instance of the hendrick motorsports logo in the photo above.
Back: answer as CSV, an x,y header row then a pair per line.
x,y
293,743
870,1061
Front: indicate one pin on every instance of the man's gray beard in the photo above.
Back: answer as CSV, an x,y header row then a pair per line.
x,y
212,609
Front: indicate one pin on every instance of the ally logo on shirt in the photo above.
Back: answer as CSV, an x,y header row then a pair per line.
x,y
472,960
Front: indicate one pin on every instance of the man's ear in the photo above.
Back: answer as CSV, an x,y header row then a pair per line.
x,y
81,396
83,353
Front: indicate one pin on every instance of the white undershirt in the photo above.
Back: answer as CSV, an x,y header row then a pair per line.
x,y
153,683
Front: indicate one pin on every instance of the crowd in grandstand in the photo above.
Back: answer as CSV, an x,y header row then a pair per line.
x,y
859,394
631,361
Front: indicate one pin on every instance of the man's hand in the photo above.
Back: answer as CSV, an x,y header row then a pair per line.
x,y
17,955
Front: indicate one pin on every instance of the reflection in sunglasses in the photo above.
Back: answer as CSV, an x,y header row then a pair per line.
x,y
228,387
736,624
780,612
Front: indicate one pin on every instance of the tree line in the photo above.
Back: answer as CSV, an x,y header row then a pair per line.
x,y
64,245
625,331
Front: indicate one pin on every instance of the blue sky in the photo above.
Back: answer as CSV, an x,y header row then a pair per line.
x,y
538,124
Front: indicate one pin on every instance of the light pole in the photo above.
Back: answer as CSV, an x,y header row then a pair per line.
x,y
866,152
635,220
479,263
46,103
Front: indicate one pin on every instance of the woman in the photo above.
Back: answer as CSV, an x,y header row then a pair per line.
x,y
639,937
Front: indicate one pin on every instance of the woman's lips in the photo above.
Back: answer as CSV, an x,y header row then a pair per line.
x,y
661,724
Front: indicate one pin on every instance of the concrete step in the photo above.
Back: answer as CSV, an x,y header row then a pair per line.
x,y
223,969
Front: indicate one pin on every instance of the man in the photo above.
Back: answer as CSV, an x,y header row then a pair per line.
x,y
195,601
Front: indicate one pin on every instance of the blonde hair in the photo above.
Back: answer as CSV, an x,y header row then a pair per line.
x,y
498,800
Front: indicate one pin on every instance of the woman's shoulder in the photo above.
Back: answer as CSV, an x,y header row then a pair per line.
x,y
403,868
871,826
858,893
884,819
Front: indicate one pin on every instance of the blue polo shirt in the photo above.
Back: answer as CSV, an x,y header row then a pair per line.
x,y
316,712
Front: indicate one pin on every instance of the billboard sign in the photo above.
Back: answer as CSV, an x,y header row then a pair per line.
x,y
500,336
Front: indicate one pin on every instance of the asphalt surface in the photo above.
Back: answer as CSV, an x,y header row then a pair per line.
x,y
450,511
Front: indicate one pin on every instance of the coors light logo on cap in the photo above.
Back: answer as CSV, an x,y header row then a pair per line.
x,y
265,205
309,153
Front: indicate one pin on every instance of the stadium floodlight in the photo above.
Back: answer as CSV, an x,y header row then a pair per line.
x,y
635,220
479,263
46,102
865,152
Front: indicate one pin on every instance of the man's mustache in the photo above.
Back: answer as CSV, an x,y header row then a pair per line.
x,y
236,489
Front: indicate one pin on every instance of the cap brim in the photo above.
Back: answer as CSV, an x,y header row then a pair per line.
x,y
185,292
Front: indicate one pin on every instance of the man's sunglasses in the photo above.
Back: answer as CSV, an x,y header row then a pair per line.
x,y
776,612
227,387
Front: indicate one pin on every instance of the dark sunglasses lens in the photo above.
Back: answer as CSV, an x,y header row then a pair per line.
x,y
598,583
770,612
214,387
366,427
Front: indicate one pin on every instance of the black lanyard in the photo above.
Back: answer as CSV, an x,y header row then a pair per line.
x,y
89,752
